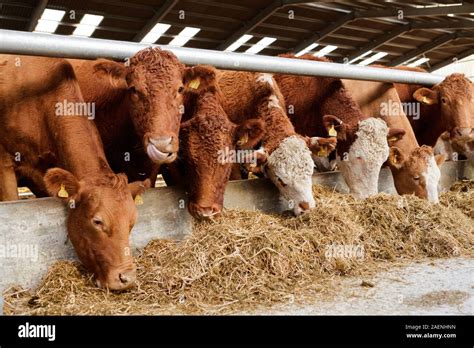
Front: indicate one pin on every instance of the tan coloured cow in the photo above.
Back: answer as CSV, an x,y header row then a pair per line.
x,y
60,151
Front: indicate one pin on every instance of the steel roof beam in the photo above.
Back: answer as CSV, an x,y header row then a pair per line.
x,y
417,12
158,16
256,20
405,12
453,59
424,48
406,28
326,31
37,12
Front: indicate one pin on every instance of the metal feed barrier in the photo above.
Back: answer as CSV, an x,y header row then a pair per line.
x,y
39,225
19,42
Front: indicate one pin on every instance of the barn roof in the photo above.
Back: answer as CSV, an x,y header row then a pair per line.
x,y
346,30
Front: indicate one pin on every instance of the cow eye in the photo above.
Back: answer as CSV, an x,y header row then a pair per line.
x,y
181,89
281,182
97,222
416,178
443,100
132,90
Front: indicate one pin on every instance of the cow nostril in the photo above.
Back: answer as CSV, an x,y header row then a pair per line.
x,y
125,278
304,206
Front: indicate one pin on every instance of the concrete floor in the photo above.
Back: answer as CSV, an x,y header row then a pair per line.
x,y
437,287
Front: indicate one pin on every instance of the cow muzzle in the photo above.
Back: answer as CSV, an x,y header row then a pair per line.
x,y
204,212
464,132
163,149
119,279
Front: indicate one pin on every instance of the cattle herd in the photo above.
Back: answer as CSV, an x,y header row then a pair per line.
x,y
155,115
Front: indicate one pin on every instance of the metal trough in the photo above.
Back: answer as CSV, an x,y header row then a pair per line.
x,y
33,232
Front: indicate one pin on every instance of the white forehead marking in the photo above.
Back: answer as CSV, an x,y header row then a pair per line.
x,y
371,145
432,177
273,102
266,78
371,141
291,161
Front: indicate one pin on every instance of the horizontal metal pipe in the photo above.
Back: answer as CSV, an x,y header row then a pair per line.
x,y
19,42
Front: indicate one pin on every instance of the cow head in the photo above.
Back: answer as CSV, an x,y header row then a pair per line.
x,y
209,141
155,87
417,172
455,99
290,168
154,82
361,151
101,216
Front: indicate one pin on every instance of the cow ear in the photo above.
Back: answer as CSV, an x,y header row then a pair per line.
x,y
426,96
61,183
249,133
395,157
199,78
114,71
321,147
138,187
394,135
258,159
333,125
440,159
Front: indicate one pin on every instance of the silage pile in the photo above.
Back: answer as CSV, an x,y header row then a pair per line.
x,y
248,259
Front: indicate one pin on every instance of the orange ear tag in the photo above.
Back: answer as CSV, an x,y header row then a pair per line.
x,y
332,132
62,192
194,84
138,200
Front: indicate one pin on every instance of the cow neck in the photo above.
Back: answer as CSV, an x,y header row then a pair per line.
x,y
114,122
301,93
429,127
271,108
337,101
79,147
277,128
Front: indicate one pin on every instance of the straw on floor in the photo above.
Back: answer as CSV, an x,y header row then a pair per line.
x,y
247,259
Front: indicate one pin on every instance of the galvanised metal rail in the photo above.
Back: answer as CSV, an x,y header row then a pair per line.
x,y
26,43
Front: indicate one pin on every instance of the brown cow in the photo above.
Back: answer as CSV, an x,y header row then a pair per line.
x,y
288,161
209,143
138,108
415,169
448,106
317,105
36,135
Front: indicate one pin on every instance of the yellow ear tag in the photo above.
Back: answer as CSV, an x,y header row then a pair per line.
x,y
194,84
322,153
62,192
252,176
424,100
243,139
332,132
138,200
